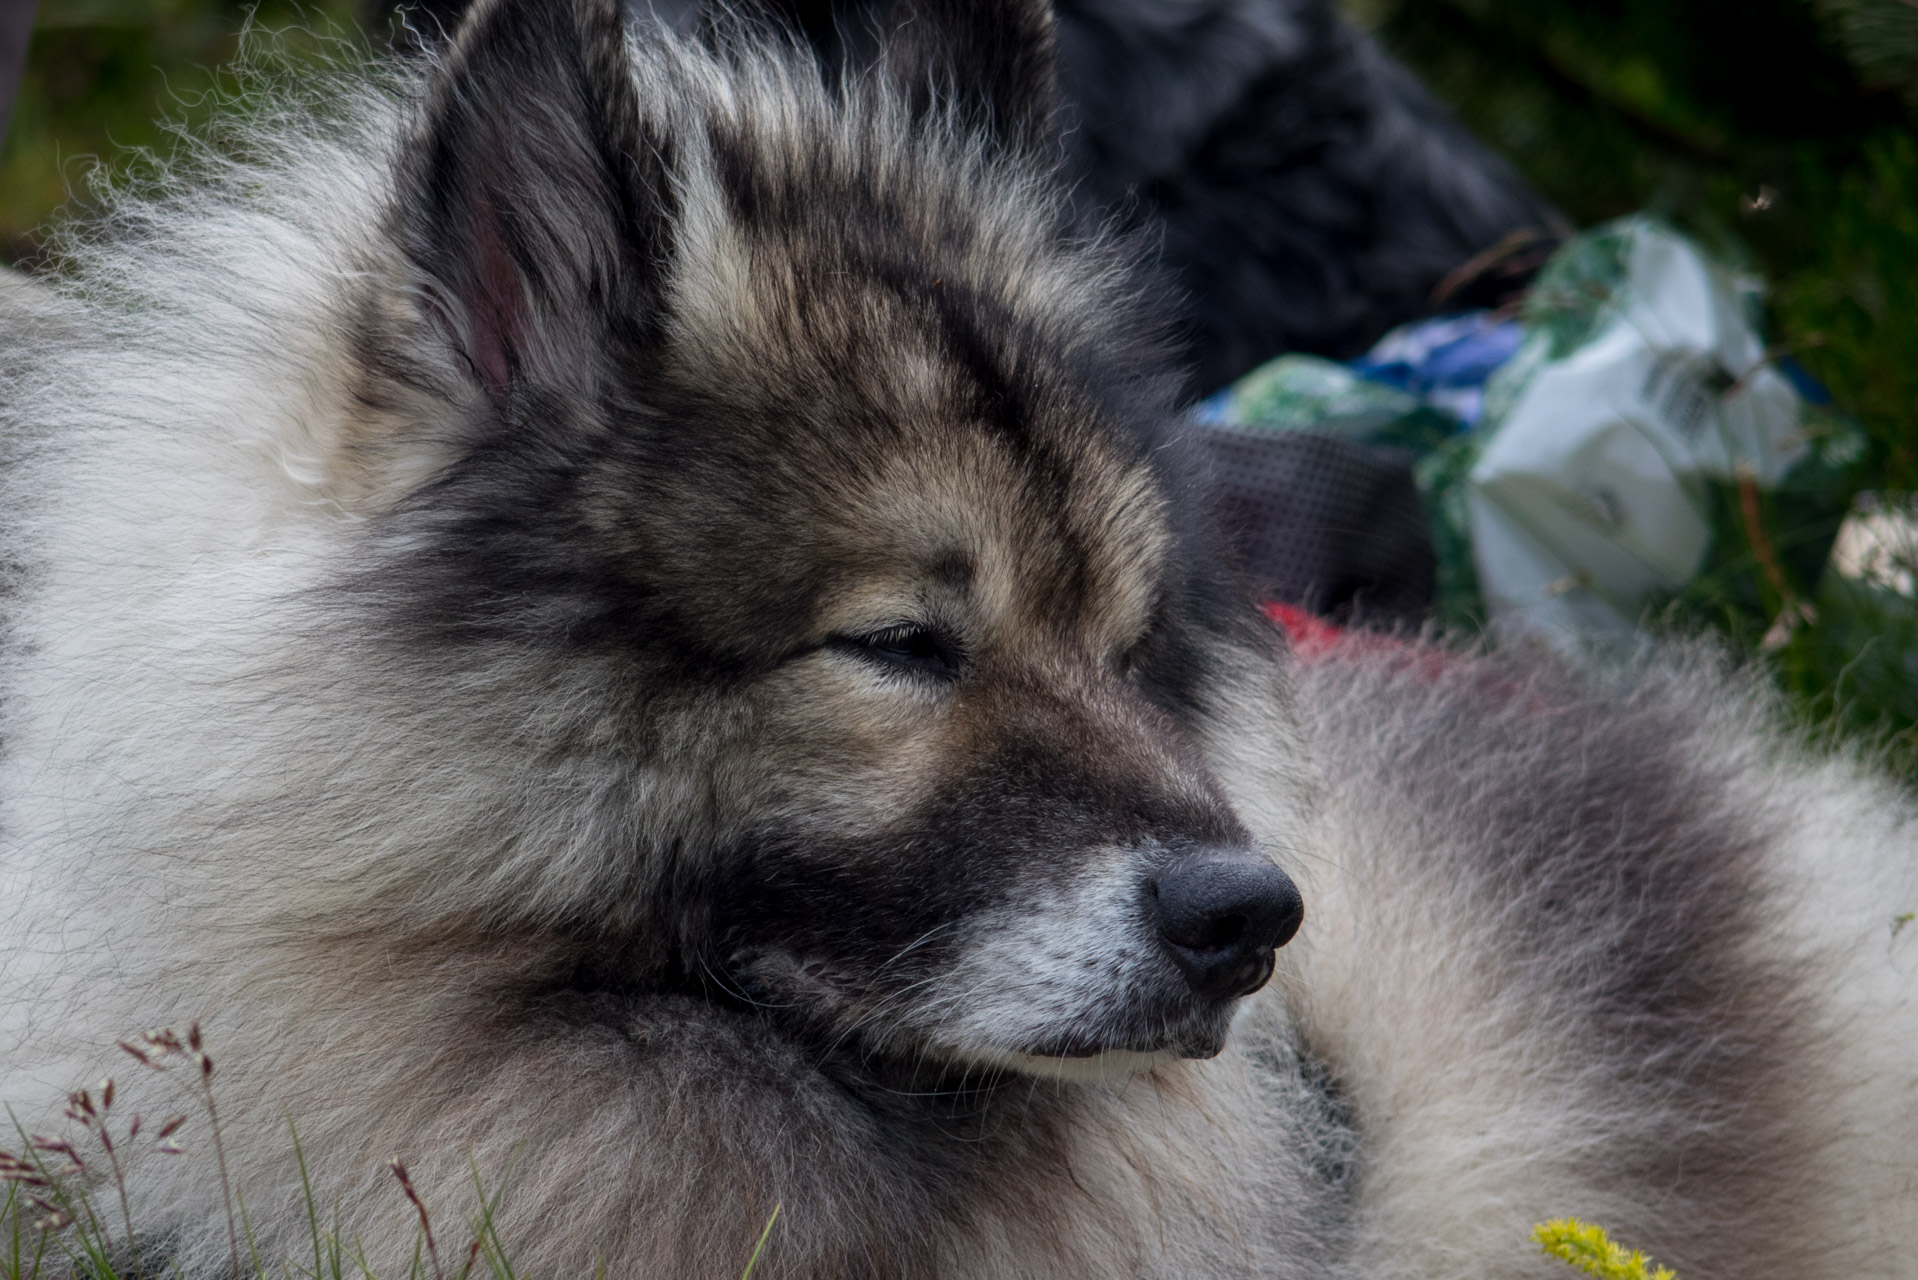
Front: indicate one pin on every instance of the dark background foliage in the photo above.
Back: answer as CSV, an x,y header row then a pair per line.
x,y
1779,132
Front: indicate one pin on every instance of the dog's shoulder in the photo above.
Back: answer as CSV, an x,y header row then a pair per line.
x,y
1571,944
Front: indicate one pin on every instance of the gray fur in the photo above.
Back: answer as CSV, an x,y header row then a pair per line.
x,y
602,608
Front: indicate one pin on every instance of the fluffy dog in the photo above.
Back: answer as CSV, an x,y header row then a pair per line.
x,y
610,611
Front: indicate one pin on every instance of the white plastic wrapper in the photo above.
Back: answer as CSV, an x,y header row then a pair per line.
x,y
1586,497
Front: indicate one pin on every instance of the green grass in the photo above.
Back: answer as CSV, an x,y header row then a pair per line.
x,y
103,75
66,1206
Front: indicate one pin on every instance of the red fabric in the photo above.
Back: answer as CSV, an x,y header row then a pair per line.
x,y
1311,636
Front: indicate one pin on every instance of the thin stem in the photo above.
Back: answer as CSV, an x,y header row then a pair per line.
x,y
763,1237
219,1154
426,1224
120,1184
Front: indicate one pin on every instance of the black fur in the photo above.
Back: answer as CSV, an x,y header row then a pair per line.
x,y
1309,193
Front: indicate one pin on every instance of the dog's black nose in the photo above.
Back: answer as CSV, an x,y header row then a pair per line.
x,y
1222,914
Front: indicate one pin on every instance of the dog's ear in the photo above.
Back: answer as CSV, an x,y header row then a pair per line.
x,y
991,61
534,200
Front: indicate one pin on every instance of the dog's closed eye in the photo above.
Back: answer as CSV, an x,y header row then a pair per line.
x,y
908,646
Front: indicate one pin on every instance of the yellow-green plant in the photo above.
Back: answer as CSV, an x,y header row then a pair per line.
x,y
1587,1247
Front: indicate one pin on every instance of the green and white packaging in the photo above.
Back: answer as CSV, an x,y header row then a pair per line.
x,y
1642,380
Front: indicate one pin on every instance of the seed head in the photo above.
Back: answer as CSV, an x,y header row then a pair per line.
x,y
398,1168
57,1147
23,1172
161,1044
